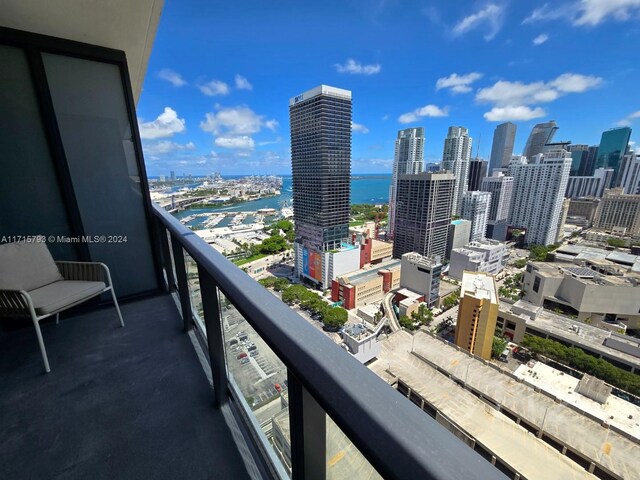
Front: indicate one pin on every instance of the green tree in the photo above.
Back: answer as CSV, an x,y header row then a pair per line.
x,y
335,317
498,346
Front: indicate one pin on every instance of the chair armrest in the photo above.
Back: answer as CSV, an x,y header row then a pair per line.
x,y
15,303
85,271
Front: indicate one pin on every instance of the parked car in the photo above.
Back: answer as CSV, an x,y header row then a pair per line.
x,y
253,353
244,361
241,356
278,387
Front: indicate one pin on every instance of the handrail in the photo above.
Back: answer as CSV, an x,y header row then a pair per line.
x,y
398,439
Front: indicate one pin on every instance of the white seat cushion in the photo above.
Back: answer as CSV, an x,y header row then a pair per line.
x,y
26,266
59,295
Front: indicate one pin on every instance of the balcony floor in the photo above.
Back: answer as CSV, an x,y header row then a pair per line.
x,y
128,402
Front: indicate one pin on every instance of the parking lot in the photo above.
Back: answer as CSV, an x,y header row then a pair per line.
x,y
256,369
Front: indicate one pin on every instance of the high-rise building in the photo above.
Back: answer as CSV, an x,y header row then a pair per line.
x,y
477,171
477,314
579,155
459,234
538,193
592,186
409,158
501,188
618,211
630,174
503,138
172,175
455,158
321,173
613,146
588,164
540,135
423,213
475,208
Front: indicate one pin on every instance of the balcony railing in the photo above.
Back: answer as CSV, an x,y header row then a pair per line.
x,y
396,438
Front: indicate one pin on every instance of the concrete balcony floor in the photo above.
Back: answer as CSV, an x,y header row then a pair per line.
x,y
128,402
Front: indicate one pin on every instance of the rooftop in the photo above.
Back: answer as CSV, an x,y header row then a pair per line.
x,y
363,276
481,285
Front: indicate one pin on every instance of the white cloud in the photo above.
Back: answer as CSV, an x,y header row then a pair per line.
x,y
628,120
505,93
166,146
270,142
214,88
540,39
490,19
242,142
385,117
520,112
426,111
240,120
586,12
458,83
354,67
242,83
358,127
174,78
166,125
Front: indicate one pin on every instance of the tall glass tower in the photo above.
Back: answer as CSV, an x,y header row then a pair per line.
x,y
613,146
409,158
321,172
455,158
541,134
502,148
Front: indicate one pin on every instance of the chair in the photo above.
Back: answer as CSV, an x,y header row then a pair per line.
x,y
33,285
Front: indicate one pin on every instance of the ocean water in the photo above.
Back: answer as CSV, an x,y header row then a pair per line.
x,y
365,188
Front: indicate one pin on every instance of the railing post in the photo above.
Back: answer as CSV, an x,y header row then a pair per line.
x,y
183,283
166,256
215,340
308,425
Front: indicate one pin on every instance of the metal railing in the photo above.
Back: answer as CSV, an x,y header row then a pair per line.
x,y
398,439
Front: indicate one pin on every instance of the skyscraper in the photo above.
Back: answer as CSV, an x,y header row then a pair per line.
x,y
475,208
539,185
477,171
409,158
613,146
423,213
501,189
503,138
455,158
579,156
540,135
321,170
630,174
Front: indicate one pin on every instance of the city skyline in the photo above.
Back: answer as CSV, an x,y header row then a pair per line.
x,y
217,105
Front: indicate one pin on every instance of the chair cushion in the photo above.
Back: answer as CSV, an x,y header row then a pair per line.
x,y
59,295
26,266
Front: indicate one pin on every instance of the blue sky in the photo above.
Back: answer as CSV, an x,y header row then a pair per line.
x,y
220,76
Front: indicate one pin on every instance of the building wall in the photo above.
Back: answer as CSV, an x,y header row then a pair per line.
x,y
380,250
476,325
421,275
455,159
459,234
502,148
583,207
478,257
501,189
475,208
619,210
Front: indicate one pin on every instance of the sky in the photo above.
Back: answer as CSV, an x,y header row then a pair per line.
x,y
220,76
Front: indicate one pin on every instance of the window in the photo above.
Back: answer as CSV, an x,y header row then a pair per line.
x,y
536,284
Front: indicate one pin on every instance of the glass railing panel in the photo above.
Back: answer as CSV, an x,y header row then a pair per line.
x,y
193,281
261,379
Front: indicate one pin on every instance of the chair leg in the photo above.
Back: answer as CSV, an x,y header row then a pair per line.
x,y
42,349
115,302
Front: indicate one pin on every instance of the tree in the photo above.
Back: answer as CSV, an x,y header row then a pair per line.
x,y
616,242
406,322
335,317
498,346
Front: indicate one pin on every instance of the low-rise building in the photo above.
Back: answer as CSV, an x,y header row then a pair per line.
x,y
421,275
408,301
599,291
361,342
489,256
362,287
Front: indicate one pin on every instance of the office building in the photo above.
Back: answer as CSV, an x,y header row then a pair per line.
x,y
459,234
363,287
455,159
618,212
630,174
501,188
583,208
321,172
475,208
421,275
477,171
172,175
540,135
579,154
613,146
477,314
423,213
592,186
488,256
538,193
502,148
409,158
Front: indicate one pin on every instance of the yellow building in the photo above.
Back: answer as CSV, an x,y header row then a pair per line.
x,y
477,313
